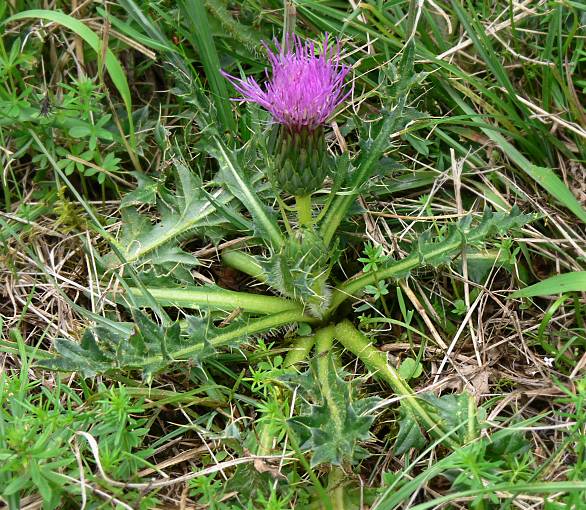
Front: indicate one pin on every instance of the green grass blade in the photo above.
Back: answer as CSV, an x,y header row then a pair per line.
x,y
567,282
508,490
156,38
545,177
113,66
201,38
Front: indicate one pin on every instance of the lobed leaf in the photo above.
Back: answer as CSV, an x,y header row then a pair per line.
x,y
187,212
335,420
239,184
148,347
130,346
436,251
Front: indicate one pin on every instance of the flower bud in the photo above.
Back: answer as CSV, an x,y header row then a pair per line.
x,y
301,161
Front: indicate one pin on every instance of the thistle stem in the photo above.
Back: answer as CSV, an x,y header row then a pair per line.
x,y
354,285
336,480
215,299
299,351
245,263
303,206
324,340
376,361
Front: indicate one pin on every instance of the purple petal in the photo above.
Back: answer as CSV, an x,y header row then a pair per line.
x,y
304,88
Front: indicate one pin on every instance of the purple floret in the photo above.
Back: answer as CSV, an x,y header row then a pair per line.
x,y
304,87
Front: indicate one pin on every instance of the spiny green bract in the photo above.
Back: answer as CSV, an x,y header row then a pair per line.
x,y
301,162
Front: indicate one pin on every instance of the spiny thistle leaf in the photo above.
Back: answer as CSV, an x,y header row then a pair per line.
x,y
450,411
242,186
148,347
436,251
299,271
185,213
334,420
144,346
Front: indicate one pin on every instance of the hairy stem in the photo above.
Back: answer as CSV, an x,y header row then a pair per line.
x,y
324,340
432,252
253,327
354,285
336,480
376,361
303,206
299,351
244,262
216,299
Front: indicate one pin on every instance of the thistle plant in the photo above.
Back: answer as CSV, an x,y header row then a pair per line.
x,y
305,88
295,259
306,85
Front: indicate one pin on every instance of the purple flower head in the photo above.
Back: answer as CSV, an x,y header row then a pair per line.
x,y
304,88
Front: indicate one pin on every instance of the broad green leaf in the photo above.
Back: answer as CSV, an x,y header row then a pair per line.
x,y
507,443
567,282
481,261
410,369
113,66
144,193
409,436
451,411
